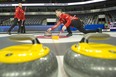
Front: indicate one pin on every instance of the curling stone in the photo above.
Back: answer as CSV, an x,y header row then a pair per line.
x,y
47,34
91,59
27,60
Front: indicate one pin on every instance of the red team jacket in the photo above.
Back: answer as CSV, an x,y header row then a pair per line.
x,y
22,15
19,13
65,19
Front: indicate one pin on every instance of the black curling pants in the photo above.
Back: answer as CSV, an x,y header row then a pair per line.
x,y
14,24
22,27
79,25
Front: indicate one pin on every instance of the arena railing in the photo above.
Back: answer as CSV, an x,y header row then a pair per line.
x,y
54,4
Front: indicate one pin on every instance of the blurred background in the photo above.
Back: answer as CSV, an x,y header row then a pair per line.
x,y
40,14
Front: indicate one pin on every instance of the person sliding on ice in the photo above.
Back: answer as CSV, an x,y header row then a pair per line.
x,y
68,21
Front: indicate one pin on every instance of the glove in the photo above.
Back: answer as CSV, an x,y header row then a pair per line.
x,y
18,19
49,30
63,28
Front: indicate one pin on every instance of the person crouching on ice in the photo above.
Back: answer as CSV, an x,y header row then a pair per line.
x,y
68,21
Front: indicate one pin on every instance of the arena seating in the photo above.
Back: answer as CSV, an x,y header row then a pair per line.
x,y
38,22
